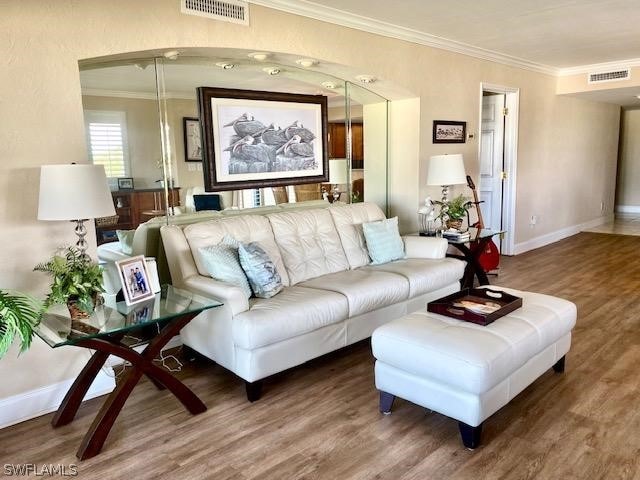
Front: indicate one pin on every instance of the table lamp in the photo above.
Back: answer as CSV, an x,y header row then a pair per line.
x,y
446,170
337,175
77,193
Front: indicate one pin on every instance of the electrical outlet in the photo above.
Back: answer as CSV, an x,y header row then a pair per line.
x,y
602,206
533,221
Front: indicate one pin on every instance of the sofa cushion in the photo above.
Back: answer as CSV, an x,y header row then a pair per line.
x,y
365,289
244,228
348,220
262,274
294,311
424,275
383,241
309,244
222,263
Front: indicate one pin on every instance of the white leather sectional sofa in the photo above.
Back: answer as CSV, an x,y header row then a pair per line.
x,y
333,296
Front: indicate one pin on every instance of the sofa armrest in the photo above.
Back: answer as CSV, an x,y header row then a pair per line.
x,y
425,247
228,294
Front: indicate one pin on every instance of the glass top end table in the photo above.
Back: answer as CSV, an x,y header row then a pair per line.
x,y
103,332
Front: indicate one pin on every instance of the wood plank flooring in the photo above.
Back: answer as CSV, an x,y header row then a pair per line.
x,y
320,421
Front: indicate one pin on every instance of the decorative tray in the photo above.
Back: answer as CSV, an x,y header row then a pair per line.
x,y
477,305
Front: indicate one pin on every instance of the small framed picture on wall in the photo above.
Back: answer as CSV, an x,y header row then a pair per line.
x,y
447,131
192,139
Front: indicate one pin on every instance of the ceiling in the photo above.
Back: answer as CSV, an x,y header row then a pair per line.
x,y
556,37
555,34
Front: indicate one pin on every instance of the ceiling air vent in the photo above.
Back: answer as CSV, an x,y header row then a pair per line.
x,y
235,11
612,76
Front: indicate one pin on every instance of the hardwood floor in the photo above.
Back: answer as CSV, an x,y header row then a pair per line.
x,y
321,420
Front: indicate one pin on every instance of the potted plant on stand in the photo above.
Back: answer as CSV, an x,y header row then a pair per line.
x,y
77,282
452,212
19,315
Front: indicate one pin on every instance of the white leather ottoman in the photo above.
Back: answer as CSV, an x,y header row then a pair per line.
x,y
467,371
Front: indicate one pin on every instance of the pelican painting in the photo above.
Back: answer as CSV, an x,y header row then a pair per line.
x,y
260,139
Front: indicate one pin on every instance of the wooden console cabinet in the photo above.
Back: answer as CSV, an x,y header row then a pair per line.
x,y
338,143
134,207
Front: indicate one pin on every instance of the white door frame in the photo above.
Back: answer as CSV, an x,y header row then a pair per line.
x,y
512,102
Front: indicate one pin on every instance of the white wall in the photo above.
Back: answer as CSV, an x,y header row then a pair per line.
x,y
567,152
628,188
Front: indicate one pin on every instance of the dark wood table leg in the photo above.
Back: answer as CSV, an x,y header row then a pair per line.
x,y
72,400
141,364
473,269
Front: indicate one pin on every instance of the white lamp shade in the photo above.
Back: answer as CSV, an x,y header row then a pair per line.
x,y
74,192
446,170
338,171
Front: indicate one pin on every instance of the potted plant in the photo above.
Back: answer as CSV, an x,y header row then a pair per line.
x,y
452,212
77,281
19,315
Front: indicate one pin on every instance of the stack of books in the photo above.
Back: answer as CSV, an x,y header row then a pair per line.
x,y
456,235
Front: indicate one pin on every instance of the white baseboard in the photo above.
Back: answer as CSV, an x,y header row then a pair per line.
x,y
40,401
628,208
31,404
558,235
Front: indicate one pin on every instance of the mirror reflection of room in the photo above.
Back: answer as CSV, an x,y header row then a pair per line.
x,y
158,179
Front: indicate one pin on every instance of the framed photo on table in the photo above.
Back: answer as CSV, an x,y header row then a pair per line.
x,y
254,139
125,183
192,140
135,279
447,131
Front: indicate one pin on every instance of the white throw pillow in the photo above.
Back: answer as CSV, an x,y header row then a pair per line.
x,y
222,263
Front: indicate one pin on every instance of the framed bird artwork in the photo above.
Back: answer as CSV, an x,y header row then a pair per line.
x,y
256,139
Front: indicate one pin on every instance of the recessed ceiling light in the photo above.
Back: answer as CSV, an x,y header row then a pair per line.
x,y
330,85
638,96
260,56
171,54
307,62
225,65
366,78
271,70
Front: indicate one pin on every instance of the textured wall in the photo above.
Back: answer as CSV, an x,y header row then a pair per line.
x,y
567,146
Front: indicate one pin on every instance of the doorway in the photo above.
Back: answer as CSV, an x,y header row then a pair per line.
x,y
497,158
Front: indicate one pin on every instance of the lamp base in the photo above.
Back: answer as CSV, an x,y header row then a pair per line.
x,y
81,244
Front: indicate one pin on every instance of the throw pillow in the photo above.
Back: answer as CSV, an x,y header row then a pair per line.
x,y
383,240
126,240
206,202
262,274
222,263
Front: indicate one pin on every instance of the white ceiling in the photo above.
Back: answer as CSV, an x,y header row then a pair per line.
x,y
551,33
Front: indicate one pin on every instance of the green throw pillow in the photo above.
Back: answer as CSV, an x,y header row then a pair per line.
x,y
126,240
222,263
383,241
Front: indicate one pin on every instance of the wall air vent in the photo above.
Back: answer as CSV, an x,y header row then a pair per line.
x,y
235,11
612,76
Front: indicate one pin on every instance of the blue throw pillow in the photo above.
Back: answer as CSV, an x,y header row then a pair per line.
x,y
222,263
206,202
383,241
263,277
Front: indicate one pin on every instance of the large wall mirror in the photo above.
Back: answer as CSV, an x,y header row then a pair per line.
x,y
141,118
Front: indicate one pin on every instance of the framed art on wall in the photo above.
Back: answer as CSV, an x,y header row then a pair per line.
x,y
255,139
192,140
447,131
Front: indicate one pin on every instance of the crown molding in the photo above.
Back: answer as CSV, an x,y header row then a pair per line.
x,y
346,19
599,67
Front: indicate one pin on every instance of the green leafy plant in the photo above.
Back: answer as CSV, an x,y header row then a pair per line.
x,y
19,315
75,278
455,209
